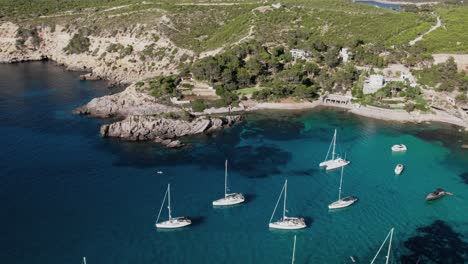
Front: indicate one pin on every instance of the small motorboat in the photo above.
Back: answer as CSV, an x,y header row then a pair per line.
x,y
399,148
438,193
399,169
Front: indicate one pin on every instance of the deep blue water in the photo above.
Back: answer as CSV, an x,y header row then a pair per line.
x,y
67,193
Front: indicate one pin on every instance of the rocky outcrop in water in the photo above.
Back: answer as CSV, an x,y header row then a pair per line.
x,y
127,103
143,128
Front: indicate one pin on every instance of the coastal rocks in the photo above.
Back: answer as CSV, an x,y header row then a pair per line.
x,y
90,77
126,103
144,128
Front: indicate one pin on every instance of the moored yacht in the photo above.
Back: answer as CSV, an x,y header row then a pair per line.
x,y
172,222
335,162
342,202
399,169
229,198
399,148
286,222
438,193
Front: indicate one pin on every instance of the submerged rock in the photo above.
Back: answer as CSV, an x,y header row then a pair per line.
x,y
436,243
141,128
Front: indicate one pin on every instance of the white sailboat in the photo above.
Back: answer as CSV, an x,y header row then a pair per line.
x,y
172,222
342,202
387,258
286,222
336,161
229,198
294,251
84,260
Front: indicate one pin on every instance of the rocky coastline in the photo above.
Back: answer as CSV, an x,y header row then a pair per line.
x,y
165,130
129,102
146,119
100,60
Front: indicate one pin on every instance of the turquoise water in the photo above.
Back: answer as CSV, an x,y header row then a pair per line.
x,y
67,193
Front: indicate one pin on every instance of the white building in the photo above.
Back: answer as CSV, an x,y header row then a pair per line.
x,y
373,83
276,6
345,54
300,54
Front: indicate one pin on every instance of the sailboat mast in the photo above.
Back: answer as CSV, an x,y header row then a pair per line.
x,y
389,246
285,194
225,179
334,145
294,251
390,234
341,183
169,200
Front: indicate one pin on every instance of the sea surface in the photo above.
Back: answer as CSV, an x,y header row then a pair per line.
x,y
394,7
66,193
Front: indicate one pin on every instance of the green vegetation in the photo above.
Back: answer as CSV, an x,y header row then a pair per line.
x,y
181,115
393,95
248,91
23,34
443,77
198,105
79,43
204,27
452,36
121,49
163,86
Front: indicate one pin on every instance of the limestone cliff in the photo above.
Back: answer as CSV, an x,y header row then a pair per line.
x,y
123,57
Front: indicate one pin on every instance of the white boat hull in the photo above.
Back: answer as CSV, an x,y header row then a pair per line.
x,y
342,203
231,199
176,222
289,223
399,169
399,148
334,164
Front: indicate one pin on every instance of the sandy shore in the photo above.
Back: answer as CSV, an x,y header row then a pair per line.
x,y
371,112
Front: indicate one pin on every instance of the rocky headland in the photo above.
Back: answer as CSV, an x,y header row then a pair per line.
x,y
146,119
165,130
127,103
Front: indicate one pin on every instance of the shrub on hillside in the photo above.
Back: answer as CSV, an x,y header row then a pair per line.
x,y
198,105
78,44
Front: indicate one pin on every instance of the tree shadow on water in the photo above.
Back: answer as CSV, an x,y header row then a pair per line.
x,y
464,177
436,243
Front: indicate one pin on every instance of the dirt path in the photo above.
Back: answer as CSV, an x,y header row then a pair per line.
x,y
436,26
